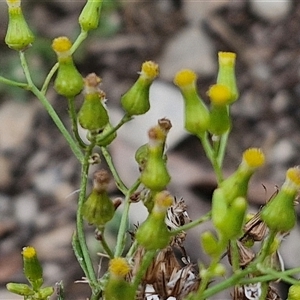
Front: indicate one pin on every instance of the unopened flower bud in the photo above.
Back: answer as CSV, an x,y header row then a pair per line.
x,y
102,140
153,234
18,35
90,15
117,287
279,213
294,292
92,114
136,100
220,121
21,289
228,218
196,113
226,74
209,244
155,175
68,82
237,184
98,209
32,268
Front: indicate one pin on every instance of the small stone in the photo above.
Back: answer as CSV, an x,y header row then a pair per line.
x,y
270,10
16,119
191,48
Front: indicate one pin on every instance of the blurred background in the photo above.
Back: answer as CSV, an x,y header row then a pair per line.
x,y
38,173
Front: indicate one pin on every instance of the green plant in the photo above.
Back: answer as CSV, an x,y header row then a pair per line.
x,y
149,267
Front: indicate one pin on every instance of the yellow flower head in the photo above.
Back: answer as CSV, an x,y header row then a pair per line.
x,y
185,78
119,267
150,69
253,157
13,3
61,44
227,58
292,181
28,252
219,94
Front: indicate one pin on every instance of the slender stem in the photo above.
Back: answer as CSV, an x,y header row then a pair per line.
x,y
121,186
235,259
274,275
124,221
79,220
31,86
192,224
124,120
105,245
222,148
265,250
146,261
81,37
73,117
278,275
211,155
48,78
13,83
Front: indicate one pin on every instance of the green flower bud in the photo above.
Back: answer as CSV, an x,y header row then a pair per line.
x,y
279,213
32,268
90,15
234,219
219,270
153,234
92,114
98,209
220,121
68,82
136,100
45,293
117,287
20,289
237,184
226,74
294,292
18,35
103,141
228,218
196,113
209,244
155,175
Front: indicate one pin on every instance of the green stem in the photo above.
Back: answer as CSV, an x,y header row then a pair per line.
x,y
105,245
265,250
146,261
124,120
121,186
81,37
79,221
211,155
14,83
222,148
278,275
48,78
73,117
31,86
234,252
121,238
192,224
